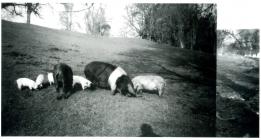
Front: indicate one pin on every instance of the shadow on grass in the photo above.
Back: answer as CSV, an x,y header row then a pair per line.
x,y
203,81
236,119
45,85
147,131
26,92
252,70
77,87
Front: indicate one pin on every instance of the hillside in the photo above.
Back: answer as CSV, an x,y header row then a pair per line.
x,y
187,107
237,96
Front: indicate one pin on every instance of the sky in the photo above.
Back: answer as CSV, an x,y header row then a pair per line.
x,y
230,15
238,14
115,12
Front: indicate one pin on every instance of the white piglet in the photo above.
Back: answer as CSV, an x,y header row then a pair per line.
x,y
50,78
26,82
39,81
85,83
149,83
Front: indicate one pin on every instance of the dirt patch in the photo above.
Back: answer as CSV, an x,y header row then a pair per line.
x,y
33,63
57,50
75,45
8,46
55,57
74,50
18,54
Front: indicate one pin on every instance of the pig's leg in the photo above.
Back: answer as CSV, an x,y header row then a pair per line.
x,y
57,85
139,89
60,96
82,86
30,87
66,92
160,90
114,89
19,86
113,92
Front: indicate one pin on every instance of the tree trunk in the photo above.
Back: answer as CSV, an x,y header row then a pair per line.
x,y
28,21
70,20
29,12
181,43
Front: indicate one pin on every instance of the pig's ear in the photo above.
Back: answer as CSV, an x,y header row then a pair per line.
x,y
130,86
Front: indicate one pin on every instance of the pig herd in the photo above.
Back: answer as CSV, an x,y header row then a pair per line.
x,y
98,75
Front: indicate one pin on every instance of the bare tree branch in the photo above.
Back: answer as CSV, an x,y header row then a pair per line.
x,y
13,12
5,5
234,36
88,8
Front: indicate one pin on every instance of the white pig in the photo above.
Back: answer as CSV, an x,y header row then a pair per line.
x,y
85,83
39,81
150,83
26,82
50,78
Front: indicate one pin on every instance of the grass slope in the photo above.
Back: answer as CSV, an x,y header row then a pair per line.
x,y
186,109
237,96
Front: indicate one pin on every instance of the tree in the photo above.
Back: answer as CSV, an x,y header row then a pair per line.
x,y
221,36
135,18
245,41
206,31
95,21
13,11
105,29
66,16
30,8
190,26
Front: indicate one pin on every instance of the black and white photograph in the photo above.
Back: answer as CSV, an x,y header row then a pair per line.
x,y
126,70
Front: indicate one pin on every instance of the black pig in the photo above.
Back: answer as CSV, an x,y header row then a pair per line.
x,y
63,78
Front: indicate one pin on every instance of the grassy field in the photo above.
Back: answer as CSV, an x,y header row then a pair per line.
x,y
187,108
237,96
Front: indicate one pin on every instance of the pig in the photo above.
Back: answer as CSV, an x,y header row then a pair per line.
x,y
149,83
26,82
44,80
108,76
63,78
39,81
50,78
85,83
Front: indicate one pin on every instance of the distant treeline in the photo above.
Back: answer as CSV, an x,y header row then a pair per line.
x,y
242,42
190,26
